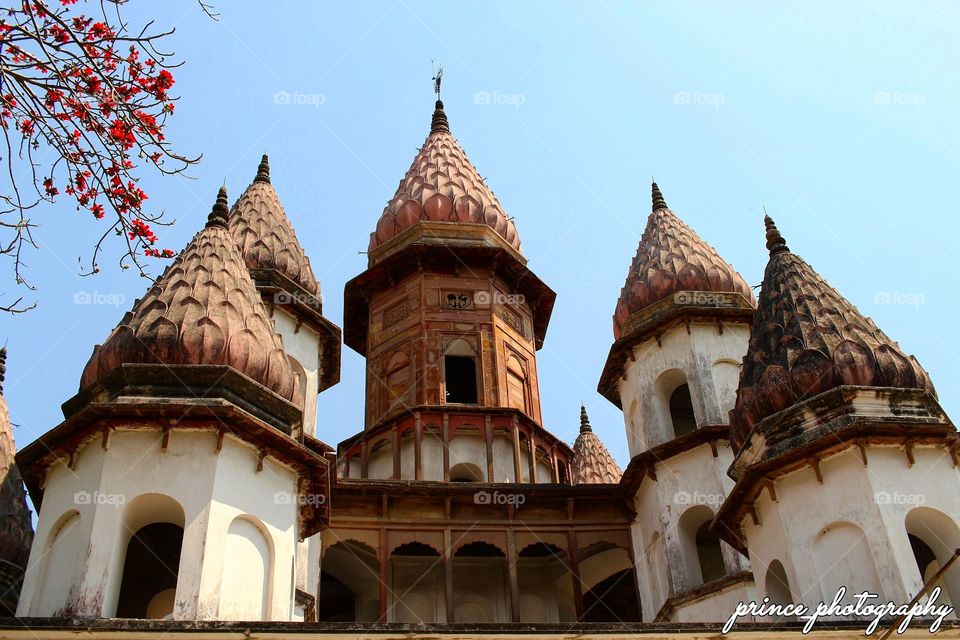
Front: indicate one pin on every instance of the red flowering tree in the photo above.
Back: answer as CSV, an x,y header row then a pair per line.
x,y
83,103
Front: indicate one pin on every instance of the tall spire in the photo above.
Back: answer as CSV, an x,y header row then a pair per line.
x,y
3,366
658,201
584,421
775,242
263,171
218,215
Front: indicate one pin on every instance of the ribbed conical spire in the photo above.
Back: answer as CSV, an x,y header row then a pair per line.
x,y
592,462
658,201
439,122
263,171
775,242
442,185
584,420
807,339
221,209
265,234
205,310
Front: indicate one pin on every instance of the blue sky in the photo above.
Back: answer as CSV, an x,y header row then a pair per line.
x,y
840,118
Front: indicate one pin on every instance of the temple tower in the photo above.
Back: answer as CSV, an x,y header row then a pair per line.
x,y
681,328
180,482
846,465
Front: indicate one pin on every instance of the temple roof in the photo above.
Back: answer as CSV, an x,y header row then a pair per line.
x,y
592,462
16,530
806,339
265,235
442,186
203,310
671,257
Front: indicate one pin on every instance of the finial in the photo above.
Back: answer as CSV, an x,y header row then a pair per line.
x,y
658,201
775,242
218,215
439,122
3,365
263,171
584,421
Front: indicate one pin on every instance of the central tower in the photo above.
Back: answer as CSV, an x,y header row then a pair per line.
x,y
449,318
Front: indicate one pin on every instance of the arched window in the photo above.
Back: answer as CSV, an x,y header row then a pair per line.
x,y
466,472
247,572
516,383
397,377
417,594
151,563
460,373
933,537
842,557
702,551
349,584
609,584
301,376
777,585
62,565
681,411
480,579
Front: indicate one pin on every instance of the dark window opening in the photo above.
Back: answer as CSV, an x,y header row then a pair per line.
x,y
923,554
681,411
461,379
149,580
337,603
709,554
614,599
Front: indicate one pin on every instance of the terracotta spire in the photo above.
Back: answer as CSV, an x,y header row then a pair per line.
x,y
807,339
775,242
442,185
218,215
658,201
205,310
592,462
265,235
584,420
671,257
439,122
16,530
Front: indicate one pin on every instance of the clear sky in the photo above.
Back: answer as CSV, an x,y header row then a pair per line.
x,y
840,118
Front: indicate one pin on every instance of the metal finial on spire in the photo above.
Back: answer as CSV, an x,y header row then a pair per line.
x,y
658,201
437,78
263,171
218,215
3,365
584,421
775,242
439,122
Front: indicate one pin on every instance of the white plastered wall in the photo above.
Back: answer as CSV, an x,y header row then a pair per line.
x,y
213,489
874,499
708,360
